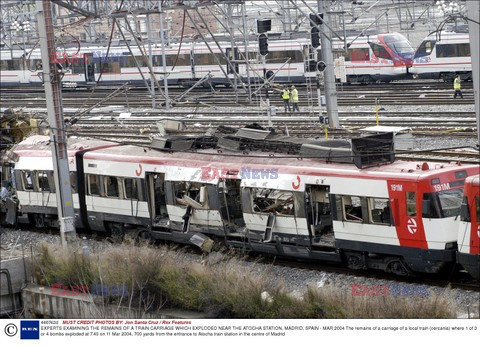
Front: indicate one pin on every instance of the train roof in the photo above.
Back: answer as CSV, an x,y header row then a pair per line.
x,y
285,164
448,35
38,146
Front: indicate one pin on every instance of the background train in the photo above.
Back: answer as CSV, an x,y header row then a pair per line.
x,y
377,57
443,55
469,229
399,217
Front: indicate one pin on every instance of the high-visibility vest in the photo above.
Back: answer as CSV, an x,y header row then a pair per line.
x,y
286,94
457,83
295,95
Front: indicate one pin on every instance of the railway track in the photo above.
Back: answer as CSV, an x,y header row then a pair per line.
x,y
397,85
305,122
414,93
230,100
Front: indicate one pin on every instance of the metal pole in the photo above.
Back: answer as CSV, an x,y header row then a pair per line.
x,y
246,43
58,137
267,92
150,59
164,59
232,42
473,13
329,73
319,96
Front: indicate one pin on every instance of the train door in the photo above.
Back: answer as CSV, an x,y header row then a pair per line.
x,y
89,68
319,214
233,57
230,204
157,204
408,206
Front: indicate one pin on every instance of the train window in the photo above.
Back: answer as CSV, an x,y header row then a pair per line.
x,y
358,54
461,174
73,181
411,204
209,59
78,68
398,44
43,182
254,56
425,49
380,51
106,67
477,203
27,179
15,64
111,185
172,59
94,185
4,65
35,64
352,207
279,202
130,188
453,50
463,50
282,57
430,206
191,194
130,62
379,210
450,202
465,211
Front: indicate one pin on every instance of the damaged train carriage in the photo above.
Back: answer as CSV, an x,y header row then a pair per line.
x,y
399,217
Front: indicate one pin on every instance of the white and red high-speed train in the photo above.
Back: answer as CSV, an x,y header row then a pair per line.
x,y
469,229
400,217
443,55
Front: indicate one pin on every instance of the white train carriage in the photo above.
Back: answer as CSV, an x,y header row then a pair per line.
x,y
380,57
399,217
443,55
34,180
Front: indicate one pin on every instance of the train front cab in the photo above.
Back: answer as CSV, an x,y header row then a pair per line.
x,y
468,254
426,214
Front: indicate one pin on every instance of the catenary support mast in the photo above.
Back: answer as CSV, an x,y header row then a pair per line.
x,y
473,14
58,136
329,74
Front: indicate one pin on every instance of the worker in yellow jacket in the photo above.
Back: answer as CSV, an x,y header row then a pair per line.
x,y
294,98
457,87
286,98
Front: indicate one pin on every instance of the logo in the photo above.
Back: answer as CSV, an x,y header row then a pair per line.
x,y
412,226
394,290
247,172
11,329
29,330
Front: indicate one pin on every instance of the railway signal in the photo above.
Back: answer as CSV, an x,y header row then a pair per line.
x,y
263,44
321,66
315,38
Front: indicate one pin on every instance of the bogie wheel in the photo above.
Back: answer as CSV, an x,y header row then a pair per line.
x,y
117,231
